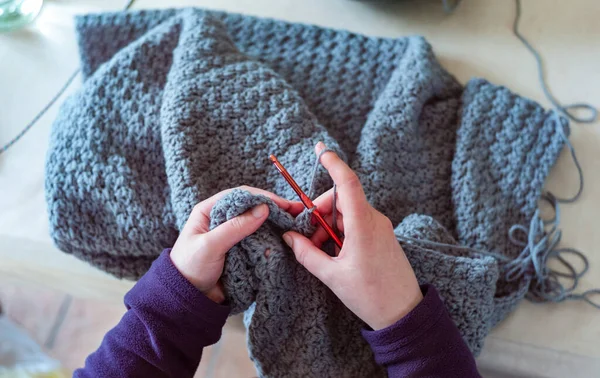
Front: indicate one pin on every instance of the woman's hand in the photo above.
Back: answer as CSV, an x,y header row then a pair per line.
x,y
371,275
199,254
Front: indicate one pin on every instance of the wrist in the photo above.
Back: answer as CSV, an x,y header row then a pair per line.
x,y
215,294
409,301
182,262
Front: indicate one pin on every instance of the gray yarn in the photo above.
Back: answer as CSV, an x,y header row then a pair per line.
x,y
57,95
313,189
28,127
448,8
180,104
296,325
538,249
543,237
564,109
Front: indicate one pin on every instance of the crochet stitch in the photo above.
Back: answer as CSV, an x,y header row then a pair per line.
x,y
180,104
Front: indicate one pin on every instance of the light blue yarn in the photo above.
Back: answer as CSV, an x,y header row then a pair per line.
x,y
541,245
539,248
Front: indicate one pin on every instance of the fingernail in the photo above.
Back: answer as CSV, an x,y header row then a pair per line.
x,y
288,240
320,146
259,211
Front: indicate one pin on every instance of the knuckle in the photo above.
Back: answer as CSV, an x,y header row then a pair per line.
x,y
202,244
237,223
352,181
386,222
197,208
326,276
301,255
369,217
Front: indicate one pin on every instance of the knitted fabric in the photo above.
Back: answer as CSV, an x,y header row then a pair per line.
x,y
180,104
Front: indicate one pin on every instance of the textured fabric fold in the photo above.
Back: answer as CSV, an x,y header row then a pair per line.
x,y
198,116
297,326
180,104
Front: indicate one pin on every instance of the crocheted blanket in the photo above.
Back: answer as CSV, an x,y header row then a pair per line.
x,y
180,104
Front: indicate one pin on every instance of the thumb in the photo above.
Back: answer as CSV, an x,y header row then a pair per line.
x,y
228,234
312,258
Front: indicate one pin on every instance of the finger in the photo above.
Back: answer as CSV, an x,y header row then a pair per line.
x,y
199,219
321,236
296,207
207,205
228,234
351,197
325,203
312,258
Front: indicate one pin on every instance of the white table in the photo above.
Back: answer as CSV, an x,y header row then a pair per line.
x,y
546,340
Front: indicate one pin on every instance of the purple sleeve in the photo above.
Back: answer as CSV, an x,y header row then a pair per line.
x,y
425,343
162,334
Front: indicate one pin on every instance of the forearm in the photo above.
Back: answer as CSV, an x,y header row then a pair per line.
x,y
162,334
425,343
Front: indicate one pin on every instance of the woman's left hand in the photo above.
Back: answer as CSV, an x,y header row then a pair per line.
x,y
199,254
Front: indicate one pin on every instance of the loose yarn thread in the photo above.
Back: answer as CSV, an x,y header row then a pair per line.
x,y
564,109
53,100
41,113
449,7
539,247
313,185
541,244
542,236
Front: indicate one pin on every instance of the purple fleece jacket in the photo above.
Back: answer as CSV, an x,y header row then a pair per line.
x,y
169,321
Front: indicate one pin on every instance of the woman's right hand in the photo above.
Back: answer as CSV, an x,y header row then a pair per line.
x,y
370,275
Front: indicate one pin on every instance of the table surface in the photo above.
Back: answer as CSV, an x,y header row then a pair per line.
x,y
475,41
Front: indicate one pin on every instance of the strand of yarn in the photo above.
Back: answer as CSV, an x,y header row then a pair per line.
x,y
541,244
566,110
563,128
539,247
41,113
450,5
55,98
313,185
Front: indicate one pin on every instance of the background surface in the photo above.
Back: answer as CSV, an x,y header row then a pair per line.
x,y
79,303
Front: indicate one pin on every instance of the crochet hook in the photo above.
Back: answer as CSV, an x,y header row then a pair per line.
x,y
306,201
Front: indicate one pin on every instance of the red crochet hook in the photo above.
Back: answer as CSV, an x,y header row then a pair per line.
x,y
306,201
